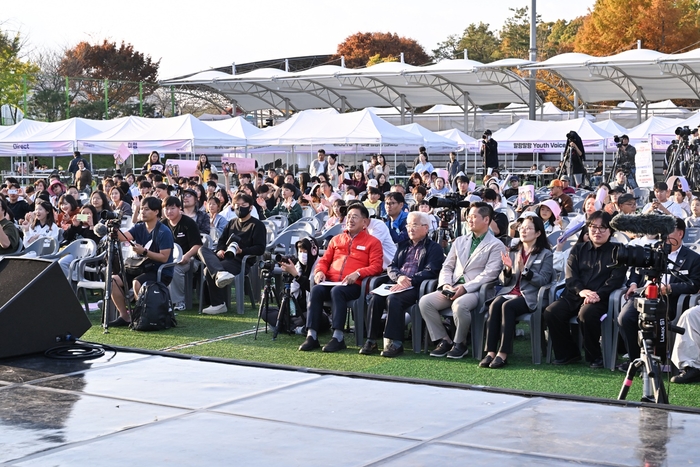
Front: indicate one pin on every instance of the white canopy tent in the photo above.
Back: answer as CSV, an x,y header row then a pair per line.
x,y
611,127
433,142
661,139
650,126
12,138
182,134
464,143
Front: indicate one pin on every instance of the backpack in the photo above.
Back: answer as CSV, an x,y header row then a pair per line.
x,y
153,310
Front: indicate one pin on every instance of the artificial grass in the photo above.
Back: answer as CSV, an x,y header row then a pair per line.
x,y
520,373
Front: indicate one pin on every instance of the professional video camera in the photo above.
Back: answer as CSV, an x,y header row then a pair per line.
x,y
111,215
268,262
450,201
683,132
618,141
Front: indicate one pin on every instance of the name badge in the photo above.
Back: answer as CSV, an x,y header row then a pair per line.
x,y
361,247
180,234
537,262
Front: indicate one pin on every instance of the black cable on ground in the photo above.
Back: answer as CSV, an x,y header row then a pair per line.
x,y
79,350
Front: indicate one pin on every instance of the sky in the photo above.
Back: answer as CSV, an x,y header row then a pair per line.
x,y
188,37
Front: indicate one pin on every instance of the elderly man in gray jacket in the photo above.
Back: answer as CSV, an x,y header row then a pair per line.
x,y
473,260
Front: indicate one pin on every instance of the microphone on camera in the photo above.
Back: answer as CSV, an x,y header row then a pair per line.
x,y
646,224
100,230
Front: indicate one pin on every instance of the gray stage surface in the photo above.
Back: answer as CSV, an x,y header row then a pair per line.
x,y
136,409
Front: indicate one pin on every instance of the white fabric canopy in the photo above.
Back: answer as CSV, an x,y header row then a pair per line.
x,y
662,138
238,127
652,125
611,127
182,134
433,142
12,138
60,138
527,136
463,140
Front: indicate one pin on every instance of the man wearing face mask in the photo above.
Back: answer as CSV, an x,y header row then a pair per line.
x,y
246,235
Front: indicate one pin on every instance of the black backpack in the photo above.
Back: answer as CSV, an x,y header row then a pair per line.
x,y
153,310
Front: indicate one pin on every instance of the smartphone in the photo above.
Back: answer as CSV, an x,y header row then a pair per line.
x,y
448,293
12,191
82,217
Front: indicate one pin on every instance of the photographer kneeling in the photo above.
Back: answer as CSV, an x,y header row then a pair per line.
x,y
242,236
150,239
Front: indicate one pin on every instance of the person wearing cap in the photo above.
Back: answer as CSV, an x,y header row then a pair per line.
x,y
558,195
57,189
565,180
549,211
513,189
662,204
489,151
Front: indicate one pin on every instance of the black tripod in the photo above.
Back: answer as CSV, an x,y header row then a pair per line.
x,y
652,330
113,247
565,163
266,297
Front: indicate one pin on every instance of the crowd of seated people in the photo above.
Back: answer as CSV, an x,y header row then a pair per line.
x,y
509,245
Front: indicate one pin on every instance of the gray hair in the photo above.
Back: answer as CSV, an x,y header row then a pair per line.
x,y
419,216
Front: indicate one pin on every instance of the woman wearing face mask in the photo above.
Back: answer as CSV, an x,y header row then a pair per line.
x,y
307,252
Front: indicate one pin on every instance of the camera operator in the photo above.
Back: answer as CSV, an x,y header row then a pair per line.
x,y
625,159
473,260
350,256
159,252
684,262
489,152
416,260
242,236
186,234
307,254
577,154
589,283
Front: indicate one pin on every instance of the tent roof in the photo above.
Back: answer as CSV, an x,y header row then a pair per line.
x,y
238,127
432,141
652,125
21,130
462,139
454,82
635,75
538,131
611,127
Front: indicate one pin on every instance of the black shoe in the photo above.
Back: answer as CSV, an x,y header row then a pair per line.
x,y
623,367
335,345
459,350
568,360
486,361
118,323
597,363
392,351
689,374
369,348
498,362
309,344
442,349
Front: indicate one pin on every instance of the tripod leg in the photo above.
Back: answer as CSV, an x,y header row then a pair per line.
x,y
627,383
283,318
264,303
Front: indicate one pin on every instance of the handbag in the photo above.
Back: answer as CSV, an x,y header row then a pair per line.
x,y
142,264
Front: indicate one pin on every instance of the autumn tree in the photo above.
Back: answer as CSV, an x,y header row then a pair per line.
x,y
615,26
121,65
359,48
15,73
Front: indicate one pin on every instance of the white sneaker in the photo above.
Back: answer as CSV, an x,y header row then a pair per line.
x,y
179,306
215,310
223,279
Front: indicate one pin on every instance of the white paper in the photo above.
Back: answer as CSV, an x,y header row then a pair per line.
x,y
385,289
330,284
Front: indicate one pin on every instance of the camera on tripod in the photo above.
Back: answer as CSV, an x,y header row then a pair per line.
x,y
450,201
111,215
267,264
618,141
683,132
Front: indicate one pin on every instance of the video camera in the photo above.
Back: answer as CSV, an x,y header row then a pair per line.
x,y
683,132
450,201
111,215
267,264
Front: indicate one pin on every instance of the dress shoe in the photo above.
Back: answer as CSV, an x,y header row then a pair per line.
x,y
392,351
498,362
369,348
567,360
215,309
335,345
224,278
486,361
689,374
118,323
458,350
442,349
309,344
597,363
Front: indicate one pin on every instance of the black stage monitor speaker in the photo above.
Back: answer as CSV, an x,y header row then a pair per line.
x,y
38,307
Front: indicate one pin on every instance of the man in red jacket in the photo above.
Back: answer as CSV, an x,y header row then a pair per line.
x,y
350,257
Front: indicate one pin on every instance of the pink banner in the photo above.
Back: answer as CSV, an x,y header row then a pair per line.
x,y
243,165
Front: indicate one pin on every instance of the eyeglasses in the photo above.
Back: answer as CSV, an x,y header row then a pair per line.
x,y
597,228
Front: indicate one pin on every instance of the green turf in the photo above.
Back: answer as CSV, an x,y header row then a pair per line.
x,y
519,374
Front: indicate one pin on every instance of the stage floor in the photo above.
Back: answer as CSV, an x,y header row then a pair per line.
x,y
136,409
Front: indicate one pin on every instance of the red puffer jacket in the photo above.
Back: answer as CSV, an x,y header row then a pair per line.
x,y
346,255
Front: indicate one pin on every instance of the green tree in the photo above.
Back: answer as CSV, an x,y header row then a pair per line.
x,y
478,40
14,72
